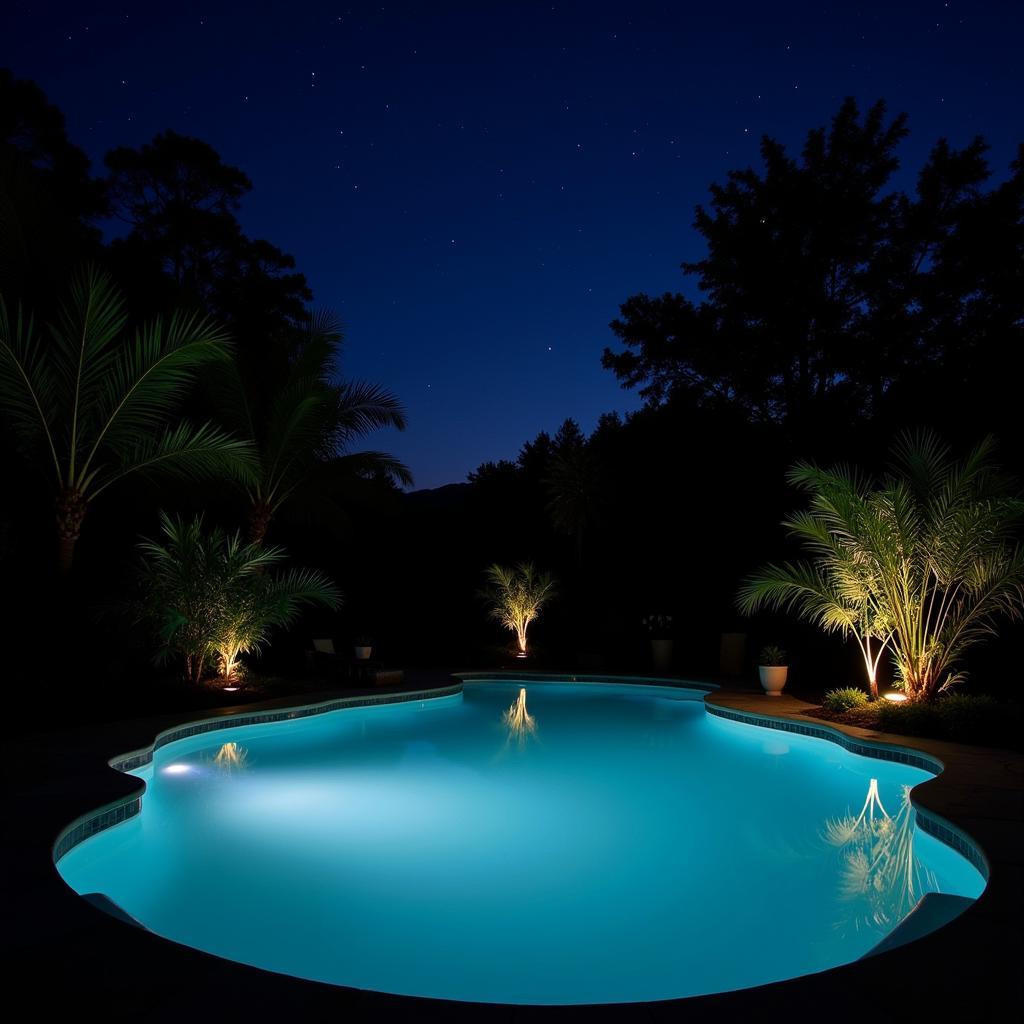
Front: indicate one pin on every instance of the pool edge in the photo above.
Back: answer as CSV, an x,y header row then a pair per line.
x,y
108,815
981,787
929,821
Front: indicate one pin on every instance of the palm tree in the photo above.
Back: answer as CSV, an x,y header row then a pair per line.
x,y
839,590
926,562
210,597
516,597
302,424
94,406
944,542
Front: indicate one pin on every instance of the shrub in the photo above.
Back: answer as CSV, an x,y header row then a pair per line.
x,y
845,699
961,718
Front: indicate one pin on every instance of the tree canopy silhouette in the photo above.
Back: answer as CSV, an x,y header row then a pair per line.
x,y
181,202
48,199
824,291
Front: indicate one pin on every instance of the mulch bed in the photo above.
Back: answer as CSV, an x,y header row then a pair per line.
x,y
864,718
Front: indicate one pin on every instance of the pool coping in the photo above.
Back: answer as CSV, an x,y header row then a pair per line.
x,y
979,793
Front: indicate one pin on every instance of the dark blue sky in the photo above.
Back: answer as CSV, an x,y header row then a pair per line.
x,y
476,187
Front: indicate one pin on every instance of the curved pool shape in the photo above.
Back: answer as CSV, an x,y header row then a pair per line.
x,y
523,843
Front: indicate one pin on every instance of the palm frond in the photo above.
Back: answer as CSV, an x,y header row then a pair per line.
x,y
361,408
184,451
28,390
83,335
150,376
369,464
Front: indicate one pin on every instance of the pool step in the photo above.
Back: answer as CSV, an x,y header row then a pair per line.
x,y
933,910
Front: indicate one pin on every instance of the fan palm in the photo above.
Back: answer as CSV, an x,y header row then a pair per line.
x,y
516,597
303,424
211,597
94,406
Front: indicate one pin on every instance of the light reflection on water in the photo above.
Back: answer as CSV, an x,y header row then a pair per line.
x,y
520,723
881,877
643,850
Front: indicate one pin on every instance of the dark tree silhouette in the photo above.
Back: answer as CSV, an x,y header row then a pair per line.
x,y
303,422
181,201
823,290
48,199
574,485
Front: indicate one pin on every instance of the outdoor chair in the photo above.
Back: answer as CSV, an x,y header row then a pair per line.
x,y
323,658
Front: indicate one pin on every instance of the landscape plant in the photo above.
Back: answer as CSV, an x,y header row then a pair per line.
x,y
926,562
844,698
211,597
771,655
516,596
91,403
838,588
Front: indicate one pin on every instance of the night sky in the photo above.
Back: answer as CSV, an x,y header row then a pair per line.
x,y
476,187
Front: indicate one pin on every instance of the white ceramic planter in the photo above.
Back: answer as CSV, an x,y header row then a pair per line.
x,y
773,678
661,651
363,653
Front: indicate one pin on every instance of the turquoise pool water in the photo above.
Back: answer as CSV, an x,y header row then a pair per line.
x,y
571,844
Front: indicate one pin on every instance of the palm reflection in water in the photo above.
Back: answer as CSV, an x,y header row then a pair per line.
x,y
519,722
882,879
232,757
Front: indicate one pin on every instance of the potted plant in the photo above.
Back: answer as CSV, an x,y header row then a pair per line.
x,y
772,668
363,648
660,628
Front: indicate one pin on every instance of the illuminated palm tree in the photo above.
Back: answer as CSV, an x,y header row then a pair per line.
x,y
516,597
944,541
92,406
210,597
925,562
840,589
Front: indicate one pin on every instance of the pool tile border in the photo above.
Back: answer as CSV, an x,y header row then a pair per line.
x,y
929,822
528,676
105,817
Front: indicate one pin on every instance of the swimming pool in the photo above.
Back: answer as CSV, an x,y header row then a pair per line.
x,y
523,842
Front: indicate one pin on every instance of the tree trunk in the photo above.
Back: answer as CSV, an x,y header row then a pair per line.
x,y
70,511
259,521
194,668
